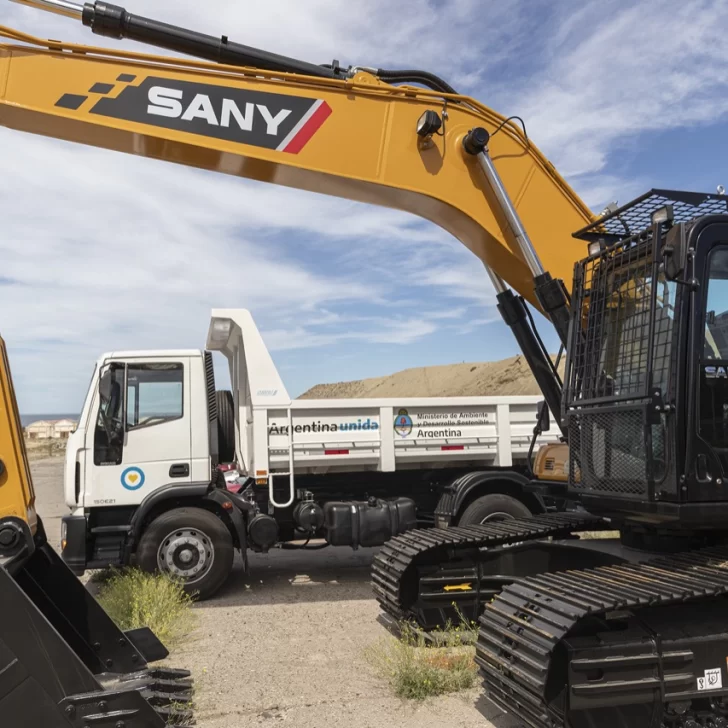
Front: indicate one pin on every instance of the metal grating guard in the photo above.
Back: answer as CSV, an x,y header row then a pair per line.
x,y
622,350
608,452
637,214
619,369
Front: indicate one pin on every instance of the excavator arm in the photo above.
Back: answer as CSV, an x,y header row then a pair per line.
x,y
351,137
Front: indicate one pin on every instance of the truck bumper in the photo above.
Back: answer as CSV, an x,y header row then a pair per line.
x,y
73,543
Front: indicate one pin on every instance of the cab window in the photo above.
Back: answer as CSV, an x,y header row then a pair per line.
x,y
153,394
716,308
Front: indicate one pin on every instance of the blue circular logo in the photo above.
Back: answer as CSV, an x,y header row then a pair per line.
x,y
132,478
403,423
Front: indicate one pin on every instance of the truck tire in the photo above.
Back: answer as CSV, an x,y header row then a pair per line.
x,y
191,544
493,507
225,425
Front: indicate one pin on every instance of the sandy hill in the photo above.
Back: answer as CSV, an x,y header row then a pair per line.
x,y
506,377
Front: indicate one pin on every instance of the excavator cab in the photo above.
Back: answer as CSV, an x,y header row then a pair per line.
x,y
646,395
63,662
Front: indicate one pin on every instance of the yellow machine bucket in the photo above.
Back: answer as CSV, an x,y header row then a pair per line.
x,y
63,662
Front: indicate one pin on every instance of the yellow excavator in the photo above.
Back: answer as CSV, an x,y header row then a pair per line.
x,y
573,632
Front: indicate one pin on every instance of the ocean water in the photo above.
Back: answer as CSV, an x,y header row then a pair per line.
x,y
25,420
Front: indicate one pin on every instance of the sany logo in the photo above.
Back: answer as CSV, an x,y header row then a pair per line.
x,y
167,102
282,122
712,372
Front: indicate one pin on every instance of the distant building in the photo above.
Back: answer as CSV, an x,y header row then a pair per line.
x,y
63,428
50,429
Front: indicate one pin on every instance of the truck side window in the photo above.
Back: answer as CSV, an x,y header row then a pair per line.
x,y
153,394
109,431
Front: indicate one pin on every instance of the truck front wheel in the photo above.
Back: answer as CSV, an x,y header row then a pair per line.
x,y
191,544
493,507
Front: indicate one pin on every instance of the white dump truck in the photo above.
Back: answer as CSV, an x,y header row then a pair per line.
x,y
147,472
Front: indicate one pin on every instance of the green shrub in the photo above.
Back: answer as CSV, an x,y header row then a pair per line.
x,y
415,669
134,598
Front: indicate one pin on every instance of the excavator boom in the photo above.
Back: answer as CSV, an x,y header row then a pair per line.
x,y
354,138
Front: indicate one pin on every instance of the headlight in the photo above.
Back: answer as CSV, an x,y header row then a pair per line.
x,y
428,124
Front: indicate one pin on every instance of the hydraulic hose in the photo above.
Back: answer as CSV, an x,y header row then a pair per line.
x,y
410,76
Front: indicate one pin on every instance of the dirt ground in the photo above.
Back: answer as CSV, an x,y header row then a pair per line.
x,y
286,649
508,377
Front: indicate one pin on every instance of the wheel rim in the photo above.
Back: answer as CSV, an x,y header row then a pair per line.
x,y
497,516
186,553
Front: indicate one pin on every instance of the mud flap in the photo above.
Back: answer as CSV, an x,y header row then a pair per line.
x,y
238,511
63,661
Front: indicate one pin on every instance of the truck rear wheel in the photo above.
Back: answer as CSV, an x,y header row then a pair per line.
x,y
225,425
493,507
191,544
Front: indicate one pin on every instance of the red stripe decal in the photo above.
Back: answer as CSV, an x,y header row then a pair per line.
x,y
336,452
308,129
453,447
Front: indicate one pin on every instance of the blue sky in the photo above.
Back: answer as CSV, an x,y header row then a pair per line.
x,y
104,251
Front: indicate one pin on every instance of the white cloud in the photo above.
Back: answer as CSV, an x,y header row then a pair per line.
x,y
102,250
616,71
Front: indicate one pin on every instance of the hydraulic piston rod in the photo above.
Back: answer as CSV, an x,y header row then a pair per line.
x,y
551,293
512,309
60,7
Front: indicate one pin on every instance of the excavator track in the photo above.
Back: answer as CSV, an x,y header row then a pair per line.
x,y
622,646
432,576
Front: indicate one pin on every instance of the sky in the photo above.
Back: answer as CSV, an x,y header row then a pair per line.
x,y
104,251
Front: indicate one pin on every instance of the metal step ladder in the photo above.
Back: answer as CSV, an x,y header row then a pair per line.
x,y
290,474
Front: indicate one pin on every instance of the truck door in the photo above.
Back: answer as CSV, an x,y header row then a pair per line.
x,y
140,438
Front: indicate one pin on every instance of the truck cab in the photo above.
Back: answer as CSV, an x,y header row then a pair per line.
x,y
136,432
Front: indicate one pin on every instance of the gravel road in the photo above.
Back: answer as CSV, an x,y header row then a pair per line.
x,y
285,648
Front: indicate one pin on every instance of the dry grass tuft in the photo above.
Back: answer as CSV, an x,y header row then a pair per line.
x,y
415,669
134,598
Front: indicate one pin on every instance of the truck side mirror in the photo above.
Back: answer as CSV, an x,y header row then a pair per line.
x,y
105,386
544,417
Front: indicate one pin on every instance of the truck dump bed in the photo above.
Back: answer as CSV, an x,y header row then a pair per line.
x,y
276,434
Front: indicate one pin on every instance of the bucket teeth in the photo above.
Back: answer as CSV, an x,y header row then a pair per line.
x,y
160,673
168,691
158,698
171,687
169,673
145,681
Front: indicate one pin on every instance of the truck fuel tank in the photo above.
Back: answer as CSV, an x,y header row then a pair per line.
x,y
368,523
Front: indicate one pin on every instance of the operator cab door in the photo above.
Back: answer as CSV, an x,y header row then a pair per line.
x,y
710,458
139,438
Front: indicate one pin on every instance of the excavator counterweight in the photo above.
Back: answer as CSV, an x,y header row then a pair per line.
x,y
63,661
